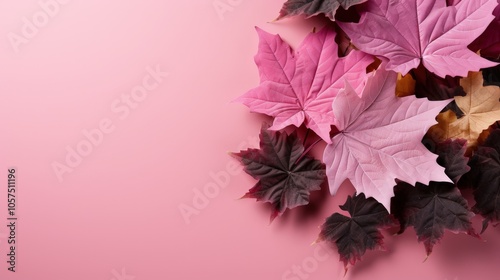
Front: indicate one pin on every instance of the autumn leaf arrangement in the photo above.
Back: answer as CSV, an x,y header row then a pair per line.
x,y
406,96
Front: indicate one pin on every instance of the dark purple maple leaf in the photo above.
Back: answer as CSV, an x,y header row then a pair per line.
x,y
452,2
485,165
489,42
286,175
354,235
311,8
437,88
491,76
430,210
429,85
451,155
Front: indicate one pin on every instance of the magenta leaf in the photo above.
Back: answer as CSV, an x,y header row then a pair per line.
x,y
430,210
286,176
407,32
311,8
354,235
299,89
379,139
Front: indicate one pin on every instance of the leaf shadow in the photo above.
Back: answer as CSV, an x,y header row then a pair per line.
x,y
316,205
302,217
453,254
460,249
321,205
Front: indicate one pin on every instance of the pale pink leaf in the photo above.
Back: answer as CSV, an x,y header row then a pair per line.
x,y
380,139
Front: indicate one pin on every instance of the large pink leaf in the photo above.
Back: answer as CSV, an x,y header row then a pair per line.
x,y
379,139
407,32
297,89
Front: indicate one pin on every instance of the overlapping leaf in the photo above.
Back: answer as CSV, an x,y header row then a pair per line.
x,y
408,32
405,85
451,155
491,76
297,89
435,88
430,210
286,176
380,139
489,42
481,108
428,85
354,235
311,8
486,172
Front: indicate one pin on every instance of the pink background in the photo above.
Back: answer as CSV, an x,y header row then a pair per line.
x,y
117,213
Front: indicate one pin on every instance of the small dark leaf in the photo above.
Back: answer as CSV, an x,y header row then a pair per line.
x,y
486,172
489,42
433,87
452,157
353,236
491,76
286,176
430,210
345,45
311,8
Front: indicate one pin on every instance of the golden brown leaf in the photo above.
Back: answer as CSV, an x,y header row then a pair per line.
x,y
481,107
374,66
405,85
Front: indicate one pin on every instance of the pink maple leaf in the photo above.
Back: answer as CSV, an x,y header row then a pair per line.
x,y
299,88
407,32
379,139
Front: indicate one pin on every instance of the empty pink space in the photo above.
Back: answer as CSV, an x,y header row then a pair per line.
x,y
117,117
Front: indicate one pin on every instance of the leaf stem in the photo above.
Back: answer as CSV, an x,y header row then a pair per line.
x,y
305,137
307,151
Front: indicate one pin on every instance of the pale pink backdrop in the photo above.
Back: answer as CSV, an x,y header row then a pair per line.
x,y
116,215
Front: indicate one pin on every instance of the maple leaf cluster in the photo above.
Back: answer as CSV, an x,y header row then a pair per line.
x,y
406,96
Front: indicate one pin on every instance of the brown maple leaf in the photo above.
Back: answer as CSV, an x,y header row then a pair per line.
x,y
481,108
